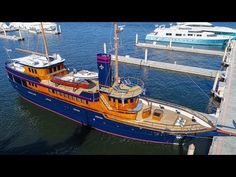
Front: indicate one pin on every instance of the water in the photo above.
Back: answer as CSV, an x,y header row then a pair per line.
x,y
27,129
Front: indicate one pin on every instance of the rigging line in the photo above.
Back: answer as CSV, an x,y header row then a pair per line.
x,y
198,86
200,89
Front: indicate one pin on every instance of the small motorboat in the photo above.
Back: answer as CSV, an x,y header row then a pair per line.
x,y
71,81
85,74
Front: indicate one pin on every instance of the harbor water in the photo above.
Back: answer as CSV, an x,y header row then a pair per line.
x,y
27,129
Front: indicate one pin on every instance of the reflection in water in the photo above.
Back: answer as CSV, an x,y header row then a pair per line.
x,y
7,141
42,147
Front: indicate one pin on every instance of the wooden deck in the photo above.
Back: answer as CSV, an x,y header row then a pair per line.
x,y
166,124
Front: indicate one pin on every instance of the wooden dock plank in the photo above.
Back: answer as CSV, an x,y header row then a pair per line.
x,y
181,49
14,38
227,114
168,66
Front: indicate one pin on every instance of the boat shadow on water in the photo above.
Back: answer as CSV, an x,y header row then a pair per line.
x,y
42,146
68,146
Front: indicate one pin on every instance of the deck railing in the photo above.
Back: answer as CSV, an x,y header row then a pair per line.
x,y
132,83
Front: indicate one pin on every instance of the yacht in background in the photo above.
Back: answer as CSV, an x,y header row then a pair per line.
x,y
34,27
207,27
177,34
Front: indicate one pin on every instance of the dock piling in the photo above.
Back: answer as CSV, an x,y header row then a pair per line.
x,y
20,34
170,43
59,28
136,40
5,34
146,53
215,83
104,48
191,149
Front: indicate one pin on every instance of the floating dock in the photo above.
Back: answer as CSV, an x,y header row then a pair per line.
x,y
14,38
168,66
179,49
227,111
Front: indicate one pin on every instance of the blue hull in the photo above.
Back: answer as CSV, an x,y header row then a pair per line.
x,y
221,42
97,120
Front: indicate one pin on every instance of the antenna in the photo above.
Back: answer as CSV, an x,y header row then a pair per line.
x,y
44,41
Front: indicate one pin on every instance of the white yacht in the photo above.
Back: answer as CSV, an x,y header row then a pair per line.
x,y
33,26
208,27
177,34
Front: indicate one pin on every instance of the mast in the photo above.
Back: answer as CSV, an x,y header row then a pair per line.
x,y
116,52
44,41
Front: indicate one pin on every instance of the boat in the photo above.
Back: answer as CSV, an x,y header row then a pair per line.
x,y
70,81
85,74
208,27
111,104
34,27
186,36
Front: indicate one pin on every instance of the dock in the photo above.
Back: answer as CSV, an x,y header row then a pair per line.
x,y
168,66
227,111
180,49
14,38
170,47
